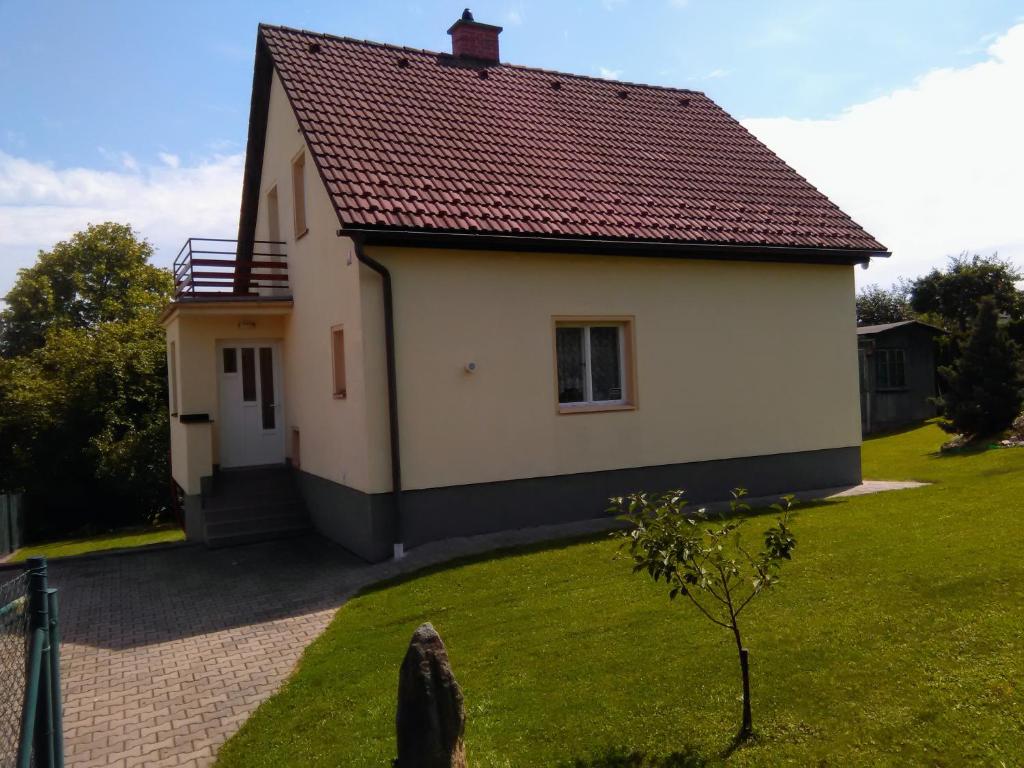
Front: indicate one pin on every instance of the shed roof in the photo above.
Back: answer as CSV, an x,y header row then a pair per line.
x,y
871,330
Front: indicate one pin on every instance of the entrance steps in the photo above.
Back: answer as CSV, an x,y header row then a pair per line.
x,y
253,504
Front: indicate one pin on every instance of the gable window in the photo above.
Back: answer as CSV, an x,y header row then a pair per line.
x,y
594,363
892,369
299,194
338,360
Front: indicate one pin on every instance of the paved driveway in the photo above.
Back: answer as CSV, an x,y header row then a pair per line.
x,y
166,653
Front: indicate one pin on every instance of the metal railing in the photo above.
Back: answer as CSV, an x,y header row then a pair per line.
x,y
31,711
206,267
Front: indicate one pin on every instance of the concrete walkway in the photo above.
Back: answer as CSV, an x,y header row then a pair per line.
x,y
166,653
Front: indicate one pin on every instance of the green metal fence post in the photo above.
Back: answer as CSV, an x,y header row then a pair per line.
x,y
38,618
30,707
56,699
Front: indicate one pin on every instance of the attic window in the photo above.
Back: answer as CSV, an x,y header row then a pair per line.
x,y
403,63
315,47
623,94
483,74
684,102
556,86
299,194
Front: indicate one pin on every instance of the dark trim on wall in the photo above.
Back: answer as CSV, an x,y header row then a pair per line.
x,y
195,418
361,522
423,238
392,376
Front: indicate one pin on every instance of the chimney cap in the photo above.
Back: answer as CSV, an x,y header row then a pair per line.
x,y
471,22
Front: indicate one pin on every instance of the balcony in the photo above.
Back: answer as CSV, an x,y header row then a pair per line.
x,y
208,268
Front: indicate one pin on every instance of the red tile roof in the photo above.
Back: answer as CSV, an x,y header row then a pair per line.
x,y
410,139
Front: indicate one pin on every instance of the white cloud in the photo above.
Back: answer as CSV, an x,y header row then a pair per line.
x,y
930,170
611,5
168,159
609,74
40,205
514,16
715,74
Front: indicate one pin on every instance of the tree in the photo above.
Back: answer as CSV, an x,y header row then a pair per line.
x,y
876,305
953,294
707,564
100,275
983,385
83,407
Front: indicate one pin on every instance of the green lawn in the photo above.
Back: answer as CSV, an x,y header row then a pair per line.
x,y
115,540
895,638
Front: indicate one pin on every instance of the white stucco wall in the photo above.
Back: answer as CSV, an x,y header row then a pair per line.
x,y
324,278
733,359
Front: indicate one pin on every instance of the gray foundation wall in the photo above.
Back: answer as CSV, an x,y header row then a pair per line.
x,y
363,523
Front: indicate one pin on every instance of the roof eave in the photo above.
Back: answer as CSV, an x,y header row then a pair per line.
x,y
422,238
259,107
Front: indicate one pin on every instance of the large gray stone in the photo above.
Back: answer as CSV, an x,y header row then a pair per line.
x,y
431,717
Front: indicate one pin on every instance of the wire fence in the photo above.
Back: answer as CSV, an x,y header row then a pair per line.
x,y
13,652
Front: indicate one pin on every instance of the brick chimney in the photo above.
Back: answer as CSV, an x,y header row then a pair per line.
x,y
473,40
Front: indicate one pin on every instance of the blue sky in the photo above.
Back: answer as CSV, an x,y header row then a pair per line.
x,y
139,109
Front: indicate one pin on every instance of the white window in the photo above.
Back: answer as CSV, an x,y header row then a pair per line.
x,y
594,364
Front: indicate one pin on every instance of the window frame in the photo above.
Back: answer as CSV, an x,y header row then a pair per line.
x,y
339,392
299,219
888,355
627,362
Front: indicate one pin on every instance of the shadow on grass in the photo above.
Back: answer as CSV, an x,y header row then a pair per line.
x,y
973,448
548,545
898,430
689,757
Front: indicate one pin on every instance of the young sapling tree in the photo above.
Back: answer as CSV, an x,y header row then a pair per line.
x,y
706,560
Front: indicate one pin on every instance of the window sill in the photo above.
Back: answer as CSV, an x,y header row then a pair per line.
x,y
302,234
596,407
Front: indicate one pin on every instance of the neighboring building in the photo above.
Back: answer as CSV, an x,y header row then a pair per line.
x,y
897,374
469,296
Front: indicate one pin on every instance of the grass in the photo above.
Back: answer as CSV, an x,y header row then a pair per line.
x,y
115,540
894,638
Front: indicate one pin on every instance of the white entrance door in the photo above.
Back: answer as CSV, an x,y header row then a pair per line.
x,y
251,416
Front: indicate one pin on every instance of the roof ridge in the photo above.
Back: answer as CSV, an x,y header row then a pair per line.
x,y
524,67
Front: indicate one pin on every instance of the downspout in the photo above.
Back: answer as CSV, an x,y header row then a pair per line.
x,y
389,350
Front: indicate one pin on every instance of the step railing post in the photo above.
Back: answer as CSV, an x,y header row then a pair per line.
x,y
39,619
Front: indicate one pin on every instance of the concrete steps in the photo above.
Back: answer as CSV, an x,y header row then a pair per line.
x,y
253,504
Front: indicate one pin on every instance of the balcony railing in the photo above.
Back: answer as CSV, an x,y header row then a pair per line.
x,y
210,267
